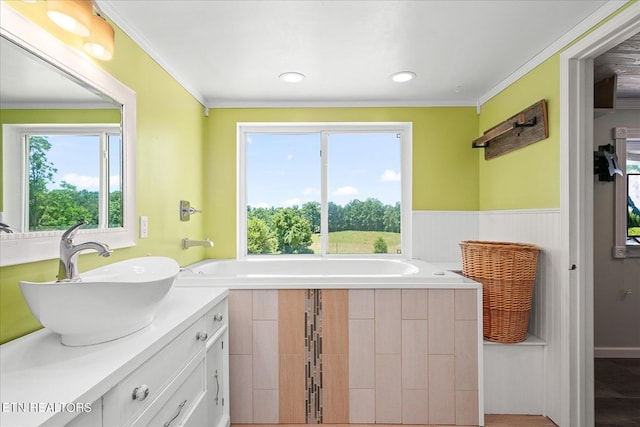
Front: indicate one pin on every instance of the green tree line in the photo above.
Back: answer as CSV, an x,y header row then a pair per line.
x,y
289,230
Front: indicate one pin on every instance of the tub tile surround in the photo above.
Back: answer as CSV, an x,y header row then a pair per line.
x,y
377,359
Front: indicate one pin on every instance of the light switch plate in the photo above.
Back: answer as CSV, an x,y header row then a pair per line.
x,y
144,227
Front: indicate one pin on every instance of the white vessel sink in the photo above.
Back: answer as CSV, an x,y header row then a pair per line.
x,y
108,303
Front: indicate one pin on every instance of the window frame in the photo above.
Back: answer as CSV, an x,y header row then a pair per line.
x,y
15,150
624,248
405,129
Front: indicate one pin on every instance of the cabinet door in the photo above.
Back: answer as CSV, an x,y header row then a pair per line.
x,y
216,380
198,417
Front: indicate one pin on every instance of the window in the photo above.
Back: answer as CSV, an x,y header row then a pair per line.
x,y
67,174
628,193
324,189
633,189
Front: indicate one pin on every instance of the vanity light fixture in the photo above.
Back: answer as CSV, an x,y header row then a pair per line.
x,y
292,77
99,43
71,15
403,76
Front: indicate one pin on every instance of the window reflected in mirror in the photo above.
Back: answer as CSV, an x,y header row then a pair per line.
x,y
73,176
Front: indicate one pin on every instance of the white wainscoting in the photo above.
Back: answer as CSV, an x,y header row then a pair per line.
x,y
540,227
436,237
436,234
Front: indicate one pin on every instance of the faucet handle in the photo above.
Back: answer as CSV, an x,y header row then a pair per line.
x,y
68,235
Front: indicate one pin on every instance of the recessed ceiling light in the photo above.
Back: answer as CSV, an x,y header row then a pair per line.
x,y
291,77
403,76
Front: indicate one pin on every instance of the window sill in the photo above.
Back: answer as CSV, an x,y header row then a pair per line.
x,y
22,248
627,251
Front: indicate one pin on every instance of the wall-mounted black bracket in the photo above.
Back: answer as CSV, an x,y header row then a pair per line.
x,y
528,124
605,163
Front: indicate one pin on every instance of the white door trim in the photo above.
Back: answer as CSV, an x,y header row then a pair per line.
x,y
576,206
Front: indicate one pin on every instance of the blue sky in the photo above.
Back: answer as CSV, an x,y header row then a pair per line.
x,y
77,161
284,170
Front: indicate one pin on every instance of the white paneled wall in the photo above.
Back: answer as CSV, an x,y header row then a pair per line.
x,y
436,235
540,227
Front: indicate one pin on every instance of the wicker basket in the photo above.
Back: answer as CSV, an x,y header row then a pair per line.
x,y
507,272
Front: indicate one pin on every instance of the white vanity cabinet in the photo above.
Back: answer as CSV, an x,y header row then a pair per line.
x,y
217,373
172,373
173,387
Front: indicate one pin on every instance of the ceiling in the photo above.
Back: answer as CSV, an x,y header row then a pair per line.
x,y
623,61
230,53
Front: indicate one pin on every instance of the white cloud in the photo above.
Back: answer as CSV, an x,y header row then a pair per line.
x,y
82,182
291,202
261,205
390,175
289,156
347,190
309,191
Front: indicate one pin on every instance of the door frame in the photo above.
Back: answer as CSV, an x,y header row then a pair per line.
x,y
576,212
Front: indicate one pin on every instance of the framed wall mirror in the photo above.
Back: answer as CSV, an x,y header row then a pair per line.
x,y
68,146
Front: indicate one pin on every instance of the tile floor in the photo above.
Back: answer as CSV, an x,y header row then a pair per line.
x,y
490,421
617,392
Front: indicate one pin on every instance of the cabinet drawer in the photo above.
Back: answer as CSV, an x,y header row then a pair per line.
x,y
89,419
183,402
216,317
157,372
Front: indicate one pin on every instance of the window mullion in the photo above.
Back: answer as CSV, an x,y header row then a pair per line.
x,y
103,193
324,192
24,188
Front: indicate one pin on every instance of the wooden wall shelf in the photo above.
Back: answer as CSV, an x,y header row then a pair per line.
x,y
525,128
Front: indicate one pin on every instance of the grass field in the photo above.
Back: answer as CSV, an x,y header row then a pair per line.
x,y
357,242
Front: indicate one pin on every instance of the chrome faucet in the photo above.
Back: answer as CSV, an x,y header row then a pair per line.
x,y
188,243
69,253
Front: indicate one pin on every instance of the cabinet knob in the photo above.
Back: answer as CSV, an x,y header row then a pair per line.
x,y
218,317
202,336
140,393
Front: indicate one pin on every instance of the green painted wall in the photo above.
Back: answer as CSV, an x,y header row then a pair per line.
x,y
170,137
59,116
445,168
528,177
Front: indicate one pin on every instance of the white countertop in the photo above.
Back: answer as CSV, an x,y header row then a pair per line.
x,y
37,370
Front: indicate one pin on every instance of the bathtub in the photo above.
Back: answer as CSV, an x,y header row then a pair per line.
x,y
320,273
302,327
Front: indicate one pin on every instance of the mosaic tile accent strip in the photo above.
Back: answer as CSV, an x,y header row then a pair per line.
x,y
313,355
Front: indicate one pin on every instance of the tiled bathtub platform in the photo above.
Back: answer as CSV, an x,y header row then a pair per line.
x,y
334,356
